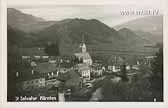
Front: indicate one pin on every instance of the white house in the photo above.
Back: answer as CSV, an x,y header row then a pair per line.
x,y
33,64
45,57
26,57
84,71
37,57
116,69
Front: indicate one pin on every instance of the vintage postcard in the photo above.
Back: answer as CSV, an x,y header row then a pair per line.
x,y
85,52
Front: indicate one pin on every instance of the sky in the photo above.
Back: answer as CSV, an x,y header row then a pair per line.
x,y
109,14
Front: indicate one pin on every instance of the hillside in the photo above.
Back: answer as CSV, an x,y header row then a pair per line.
x,y
149,28
26,22
99,38
150,37
19,38
152,24
131,37
27,31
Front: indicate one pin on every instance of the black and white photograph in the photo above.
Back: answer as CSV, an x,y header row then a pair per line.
x,y
85,53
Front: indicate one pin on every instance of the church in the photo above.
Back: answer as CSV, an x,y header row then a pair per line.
x,y
84,55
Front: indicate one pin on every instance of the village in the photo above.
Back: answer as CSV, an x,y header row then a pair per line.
x,y
70,78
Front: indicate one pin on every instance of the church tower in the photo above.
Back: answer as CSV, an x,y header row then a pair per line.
x,y
83,46
83,54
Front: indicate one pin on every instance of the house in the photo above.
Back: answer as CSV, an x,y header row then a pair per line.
x,y
98,72
116,68
37,57
84,71
110,67
52,59
33,83
83,55
96,69
115,63
45,57
33,64
26,57
29,79
35,53
128,67
48,69
53,82
135,67
63,70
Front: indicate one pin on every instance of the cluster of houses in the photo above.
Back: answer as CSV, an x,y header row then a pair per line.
x,y
47,73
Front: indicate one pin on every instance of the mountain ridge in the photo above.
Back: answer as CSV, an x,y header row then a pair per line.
x,y
99,37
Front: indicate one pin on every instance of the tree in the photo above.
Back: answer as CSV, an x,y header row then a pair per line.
x,y
157,75
81,60
124,91
52,49
124,72
157,65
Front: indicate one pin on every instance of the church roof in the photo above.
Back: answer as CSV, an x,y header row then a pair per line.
x,y
84,56
82,67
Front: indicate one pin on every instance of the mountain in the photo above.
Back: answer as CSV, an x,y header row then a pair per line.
x,y
26,22
76,28
28,31
150,37
131,37
99,38
149,28
19,38
152,24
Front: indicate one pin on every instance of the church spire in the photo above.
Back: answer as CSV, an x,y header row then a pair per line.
x,y
83,46
83,39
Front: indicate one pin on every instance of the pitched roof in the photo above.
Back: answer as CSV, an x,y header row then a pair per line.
x,y
45,67
82,67
27,75
83,55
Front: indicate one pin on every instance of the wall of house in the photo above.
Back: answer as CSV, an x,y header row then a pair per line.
x,y
86,74
32,84
53,82
87,61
